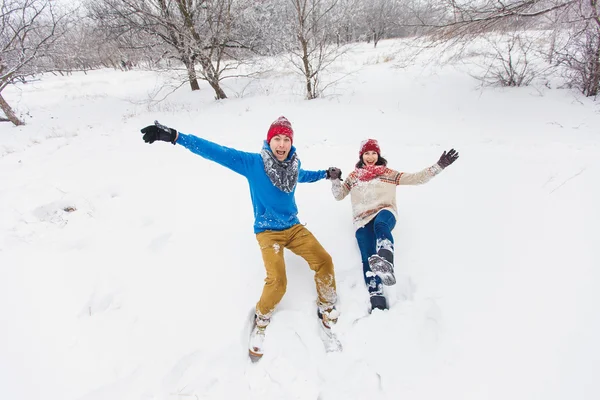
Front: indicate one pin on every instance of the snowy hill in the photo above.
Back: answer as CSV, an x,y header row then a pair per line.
x,y
127,270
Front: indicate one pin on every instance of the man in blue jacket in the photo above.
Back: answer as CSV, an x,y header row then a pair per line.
x,y
272,175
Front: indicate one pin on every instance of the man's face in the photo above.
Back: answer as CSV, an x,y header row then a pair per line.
x,y
280,146
370,157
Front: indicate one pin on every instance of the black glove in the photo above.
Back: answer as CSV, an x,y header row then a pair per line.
x,y
334,173
447,159
159,132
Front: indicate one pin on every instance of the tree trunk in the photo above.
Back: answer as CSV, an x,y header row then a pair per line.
x,y
219,93
212,77
594,80
594,37
552,49
192,77
9,112
310,89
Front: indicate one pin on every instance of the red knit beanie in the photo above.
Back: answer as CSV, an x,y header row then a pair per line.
x,y
369,145
281,126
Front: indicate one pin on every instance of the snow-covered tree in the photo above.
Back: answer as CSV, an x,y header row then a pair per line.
x,y
577,47
380,17
199,33
29,30
313,34
575,26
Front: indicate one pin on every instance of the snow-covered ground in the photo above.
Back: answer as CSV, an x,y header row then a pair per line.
x,y
127,270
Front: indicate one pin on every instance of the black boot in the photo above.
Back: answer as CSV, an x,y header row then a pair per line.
x,y
387,255
378,301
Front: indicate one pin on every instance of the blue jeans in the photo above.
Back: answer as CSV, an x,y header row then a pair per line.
x,y
377,231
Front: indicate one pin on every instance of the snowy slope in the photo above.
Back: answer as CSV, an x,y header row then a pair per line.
x,y
127,269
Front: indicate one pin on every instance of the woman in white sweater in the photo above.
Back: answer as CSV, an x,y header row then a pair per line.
x,y
372,189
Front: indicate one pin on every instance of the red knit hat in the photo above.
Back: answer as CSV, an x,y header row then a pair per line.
x,y
281,126
369,145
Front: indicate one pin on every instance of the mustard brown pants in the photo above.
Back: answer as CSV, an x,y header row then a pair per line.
x,y
302,243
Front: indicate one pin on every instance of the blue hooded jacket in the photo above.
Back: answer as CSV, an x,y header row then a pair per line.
x,y
274,209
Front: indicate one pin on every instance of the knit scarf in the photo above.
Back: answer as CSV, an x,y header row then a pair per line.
x,y
369,172
283,174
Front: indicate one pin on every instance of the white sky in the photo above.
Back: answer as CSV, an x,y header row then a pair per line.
x,y
142,292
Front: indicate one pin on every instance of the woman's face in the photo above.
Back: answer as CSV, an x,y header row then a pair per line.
x,y
370,157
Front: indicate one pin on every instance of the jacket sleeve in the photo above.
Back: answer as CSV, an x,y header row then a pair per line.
x,y
310,176
418,178
236,160
340,189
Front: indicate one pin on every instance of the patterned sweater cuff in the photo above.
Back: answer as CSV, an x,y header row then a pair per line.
x,y
436,169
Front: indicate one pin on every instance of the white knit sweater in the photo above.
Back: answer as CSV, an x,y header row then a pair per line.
x,y
379,193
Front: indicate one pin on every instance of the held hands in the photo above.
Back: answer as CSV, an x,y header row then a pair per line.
x,y
159,132
447,159
334,173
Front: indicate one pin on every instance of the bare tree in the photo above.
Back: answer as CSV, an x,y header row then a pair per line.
x,y
201,34
458,21
454,18
153,23
81,48
313,50
508,59
349,17
580,51
150,24
380,17
28,31
224,42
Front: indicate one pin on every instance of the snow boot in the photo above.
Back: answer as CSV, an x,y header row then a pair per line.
x,y
379,302
386,254
382,264
257,338
328,317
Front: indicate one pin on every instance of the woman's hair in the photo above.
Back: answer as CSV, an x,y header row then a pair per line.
x,y
380,161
